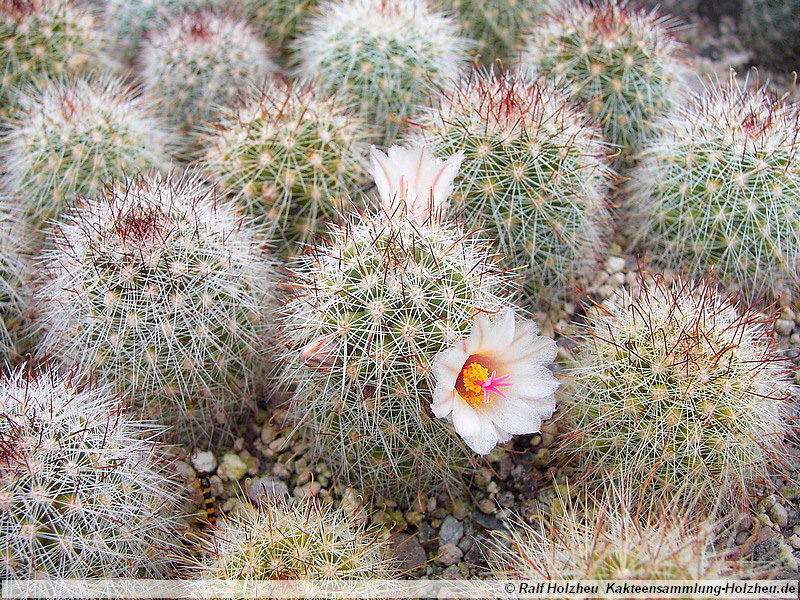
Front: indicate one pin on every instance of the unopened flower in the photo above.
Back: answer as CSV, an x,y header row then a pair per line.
x,y
495,384
414,180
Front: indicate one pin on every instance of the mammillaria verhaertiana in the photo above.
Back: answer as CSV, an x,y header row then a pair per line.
x,y
534,175
295,539
282,20
292,154
69,138
389,55
611,538
163,289
15,249
201,61
619,61
772,31
43,38
677,384
374,305
83,490
719,187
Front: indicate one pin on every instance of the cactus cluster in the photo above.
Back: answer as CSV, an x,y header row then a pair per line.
x,y
301,539
772,31
15,246
83,492
389,55
534,175
619,61
70,137
45,38
201,61
719,186
292,155
283,20
677,384
163,289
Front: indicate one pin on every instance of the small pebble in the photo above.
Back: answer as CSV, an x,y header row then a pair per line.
x,y
235,467
266,489
451,531
204,462
312,488
742,537
784,326
615,264
779,515
449,554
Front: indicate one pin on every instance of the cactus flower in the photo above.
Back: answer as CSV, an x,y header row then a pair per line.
x,y
495,384
414,180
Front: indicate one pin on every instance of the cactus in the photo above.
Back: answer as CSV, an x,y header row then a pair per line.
x,y
295,539
772,31
44,38
534,175
15,247
70,137
621,62
199,62
605,541
283,20
677,384
292,155
719,187
388,54
163,289
498,26
83,491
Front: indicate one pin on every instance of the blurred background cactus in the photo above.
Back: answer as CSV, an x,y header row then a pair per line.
x,y
70,137
292,155
15,292
296,539
772,31
83,491
389,55
163,289
619,61
282,20
674,385
719,187
534,176
41,38
200,62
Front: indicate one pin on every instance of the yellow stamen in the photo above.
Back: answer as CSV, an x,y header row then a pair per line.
x,y
473,392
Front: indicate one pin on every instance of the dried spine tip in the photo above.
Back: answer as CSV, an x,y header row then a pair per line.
x,y
677,384
620,62
83,491
292,154
164,290
534,175
719,187
388,55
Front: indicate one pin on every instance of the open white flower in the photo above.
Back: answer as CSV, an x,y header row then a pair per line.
x,y
495,384
414,180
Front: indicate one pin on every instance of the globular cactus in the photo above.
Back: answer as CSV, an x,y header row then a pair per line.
x,y
201,61
44,38
163,289
15,249
619,61
719,187
389,55
608,539
535,175
83,490
373,306
772,32
282,20
300,539
292,155
71,137
498,26
676,385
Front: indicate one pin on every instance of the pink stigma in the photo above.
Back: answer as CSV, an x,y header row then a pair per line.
x,y
493,384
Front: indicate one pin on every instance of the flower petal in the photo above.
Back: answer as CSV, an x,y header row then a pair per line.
x,y
466,421
532,381
383,174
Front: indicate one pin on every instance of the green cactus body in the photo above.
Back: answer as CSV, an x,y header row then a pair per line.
x,y
282,20
377,303
534,175
620,62
71,137
292,155
719,187
677,386
389,55
772,31
163,290
15,247
44,38
83,492
301,539
200,61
